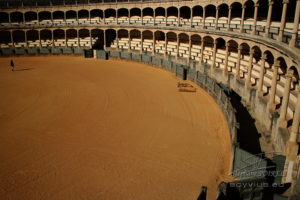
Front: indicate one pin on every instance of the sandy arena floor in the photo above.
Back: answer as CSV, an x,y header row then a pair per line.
x,y
75,128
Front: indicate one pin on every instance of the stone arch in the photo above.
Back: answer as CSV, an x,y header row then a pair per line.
x,y
171,36
96,13
18,36
98,37
16,17
4,17
160,11
148,12
208,41
262,9
135,34
71,33
5,37
185,12
32,35
172,11
123,33
110,36
210,10
46,34
249,10
84,33
147,35
123,12
135,12
71,14
196,39
110,13
44,15
257,53
30,16
236,10
58,15
83,14
58,34
223,10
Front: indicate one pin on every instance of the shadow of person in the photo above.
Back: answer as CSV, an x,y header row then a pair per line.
x,y
24,69
203,193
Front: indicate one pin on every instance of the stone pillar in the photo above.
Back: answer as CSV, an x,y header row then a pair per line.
x,y
51,15
142,17
272,104
91,40
229,18
238,63
104,16
166,44
226,59
203,19
166,16
90,19
65,17
154,16
12,38
25,37
52,32
153,46
66,42
283,20
296,119
202,52
269,18
190,48
178,21
217,17
250,66
40,42
78,38
142,42
24,22
104,39
38,18
117,39
191,25
256,5
129,41
117,21
177,49
296,25
214,53
261,75
129,16
286,98
9,19
243,19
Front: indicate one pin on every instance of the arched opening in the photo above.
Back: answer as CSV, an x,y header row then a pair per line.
x,y
16,17
197,16
59,37
159,38
135,15
220,53
5,39
148,14
44,16
147,37
46,37
4,17
210,16
171,43
185,15
72,40
184,45
123,15
97,39
110,15
160,14
172,16
236,15
277,11
33,38
30,16
223,16
71,15
58,15
84,38
83,15
245,55
263,8
196,47
19,38
123,39
96,15
135,42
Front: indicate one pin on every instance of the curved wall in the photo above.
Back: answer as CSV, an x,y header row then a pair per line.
x,y
252,47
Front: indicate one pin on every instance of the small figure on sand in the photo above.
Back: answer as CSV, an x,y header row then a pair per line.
x,y
12,65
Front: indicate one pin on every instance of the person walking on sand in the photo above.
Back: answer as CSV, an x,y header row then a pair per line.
x,y
12,65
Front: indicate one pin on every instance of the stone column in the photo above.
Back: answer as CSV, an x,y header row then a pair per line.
x,y
177,50
91,40
166,16
296,119
129,41
202,52
256,5
40,42
191,25
12,38
178,21
90,19
217,17
286,98
117,21
268,23
214,53
203,19
296,25
78,38
104,39
65,17
25,36
250,66
243,19
238,63
104,16
229,18
226,59
38,18
261,75
52,32
129,16
166,44
272,104
154,16
190,48
142,17
153,46
142,42
283,20
117,39
24,22
66,42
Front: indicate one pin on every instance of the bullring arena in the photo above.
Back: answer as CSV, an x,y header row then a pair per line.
x,y
193,99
